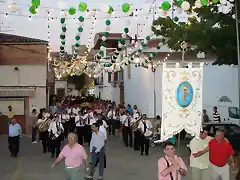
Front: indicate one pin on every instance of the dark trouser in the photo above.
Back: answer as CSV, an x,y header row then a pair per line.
x,y
137,136
105,161
111,126
34,133
144,144
55,146
87,134
65,127
127,136
13,145
44,139
80,133
72,124
97,156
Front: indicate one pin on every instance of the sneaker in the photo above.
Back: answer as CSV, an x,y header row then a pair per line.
x,y
88,177
100,178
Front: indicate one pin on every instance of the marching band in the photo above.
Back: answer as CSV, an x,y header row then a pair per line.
x,y
136,129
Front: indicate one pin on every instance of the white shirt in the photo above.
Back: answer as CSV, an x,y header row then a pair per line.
x,y
198,144
74,111
64,117
105,124
124,120
148,124
103,130
135,111
111,114
79,121
53,127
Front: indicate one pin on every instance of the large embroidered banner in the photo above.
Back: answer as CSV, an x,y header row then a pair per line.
x,y
181,100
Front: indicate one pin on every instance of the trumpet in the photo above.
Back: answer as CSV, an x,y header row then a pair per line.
x,y
134,125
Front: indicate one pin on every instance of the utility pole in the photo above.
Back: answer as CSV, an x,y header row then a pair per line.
x,y
238,50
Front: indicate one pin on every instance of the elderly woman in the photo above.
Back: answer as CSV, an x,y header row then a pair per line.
x,y
74,155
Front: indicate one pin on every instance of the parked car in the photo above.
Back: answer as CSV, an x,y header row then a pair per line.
x,y
232,132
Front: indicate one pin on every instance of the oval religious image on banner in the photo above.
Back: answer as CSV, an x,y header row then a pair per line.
x,y
184,95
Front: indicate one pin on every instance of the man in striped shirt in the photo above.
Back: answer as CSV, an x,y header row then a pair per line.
x,y
216,115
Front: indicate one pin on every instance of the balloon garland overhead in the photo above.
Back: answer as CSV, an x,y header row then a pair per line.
x,y
63,36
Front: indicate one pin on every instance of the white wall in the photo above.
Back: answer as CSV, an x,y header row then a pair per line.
x,y
61,84
218,81
39,101
27,75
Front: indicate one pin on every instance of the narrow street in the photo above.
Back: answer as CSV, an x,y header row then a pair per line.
x,y
122,163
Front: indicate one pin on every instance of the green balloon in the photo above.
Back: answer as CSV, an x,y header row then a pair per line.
x,y
77,45
62,36
36,3
175,19
204,2
165,6
126,30
64,29
215,1
110,10
82,6
62,20
126,7
80,29
106,34
108,22
72,11
32,10
81,18
77,38
61,48
63,42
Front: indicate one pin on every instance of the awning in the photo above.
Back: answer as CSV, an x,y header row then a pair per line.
x,y
17,91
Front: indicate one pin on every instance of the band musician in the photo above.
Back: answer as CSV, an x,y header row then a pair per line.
x,y
146,128
127,131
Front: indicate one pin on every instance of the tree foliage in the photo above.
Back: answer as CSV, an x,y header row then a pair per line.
x,y
78,81
209,31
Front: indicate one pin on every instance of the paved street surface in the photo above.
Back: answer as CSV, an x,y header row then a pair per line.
x,y
122,163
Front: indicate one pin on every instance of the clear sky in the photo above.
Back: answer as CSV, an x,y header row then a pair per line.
x,y
37,26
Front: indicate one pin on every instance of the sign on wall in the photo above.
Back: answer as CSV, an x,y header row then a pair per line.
x,y
181,100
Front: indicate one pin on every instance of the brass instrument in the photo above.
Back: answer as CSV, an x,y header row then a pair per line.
x,y
44,123
134,125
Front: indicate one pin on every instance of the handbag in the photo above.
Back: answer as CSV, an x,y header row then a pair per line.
x,y
171,176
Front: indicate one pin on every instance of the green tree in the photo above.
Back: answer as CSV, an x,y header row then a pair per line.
x,y
211,32
78,81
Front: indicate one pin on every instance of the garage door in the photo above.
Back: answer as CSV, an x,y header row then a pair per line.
x,y
18,108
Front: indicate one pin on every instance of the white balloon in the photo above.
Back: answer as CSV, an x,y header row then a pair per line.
x,y
104,38
120,45
198,4
223,1
145,41
185,6
105,8
124,35
102,48
225,10
141,48
107,28
62,4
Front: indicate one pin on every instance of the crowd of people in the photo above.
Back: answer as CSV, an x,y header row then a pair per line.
x,y
89,123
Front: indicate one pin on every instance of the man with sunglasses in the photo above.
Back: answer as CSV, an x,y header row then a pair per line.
x,y
200,165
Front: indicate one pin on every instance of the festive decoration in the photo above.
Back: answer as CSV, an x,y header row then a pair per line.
x,y
126,7
63,36
33,10
108,9
72,11
165,6
35,3
82,6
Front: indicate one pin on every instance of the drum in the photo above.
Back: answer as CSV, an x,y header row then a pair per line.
x,y
148,134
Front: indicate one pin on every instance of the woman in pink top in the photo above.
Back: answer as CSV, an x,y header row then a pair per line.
x,y
171,167
74,155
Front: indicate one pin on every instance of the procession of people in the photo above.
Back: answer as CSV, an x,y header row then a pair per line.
x,y
89,124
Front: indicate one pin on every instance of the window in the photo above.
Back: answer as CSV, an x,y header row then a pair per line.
x,y
129,71
109,77
234,112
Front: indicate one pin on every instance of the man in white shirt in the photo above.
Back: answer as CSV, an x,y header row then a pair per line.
x,y
104,131
127,131
200,165
145,126
64,118
72,112
111,121
79,121
89,120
